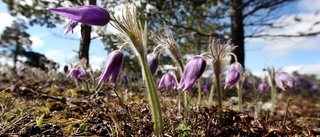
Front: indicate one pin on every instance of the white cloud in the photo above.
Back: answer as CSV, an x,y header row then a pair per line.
x,y
304,69
59,55
6,20
36,42
309,5
96,62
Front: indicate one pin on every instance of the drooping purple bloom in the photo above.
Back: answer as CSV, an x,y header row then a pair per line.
x,y
234,75
207,87
232,78
284,80
192,72
89,14
249,84
153,62
112,67
77,73
167,80
262,88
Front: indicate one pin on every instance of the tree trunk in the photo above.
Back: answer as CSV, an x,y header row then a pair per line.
x,y
85,42
85,38
15,54
237,30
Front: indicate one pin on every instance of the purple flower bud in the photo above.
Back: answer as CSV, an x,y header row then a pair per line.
x,y
192,72
89,14
77,73
249,84
284,80
207,87
66,69
112,67
232,78
153,62
167,80
262,88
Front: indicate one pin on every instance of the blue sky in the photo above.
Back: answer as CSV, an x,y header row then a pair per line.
x,y
300,54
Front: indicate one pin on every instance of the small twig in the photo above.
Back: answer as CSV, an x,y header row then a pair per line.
x,y
287,109
124,106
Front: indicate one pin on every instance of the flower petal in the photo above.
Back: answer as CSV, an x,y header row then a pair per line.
x,y
70,26
89,14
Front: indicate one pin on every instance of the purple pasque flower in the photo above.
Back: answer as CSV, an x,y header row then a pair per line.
x,y
77,73
232,78
207,87
262,87
112,67
167,80
89,14
249,84
235,71
192,72
153,62
284,80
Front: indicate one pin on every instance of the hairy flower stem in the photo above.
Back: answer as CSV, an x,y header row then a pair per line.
x,y
199,93
239,97
186,105
153,97
211,94
76,81
273,98
185,94
219,96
